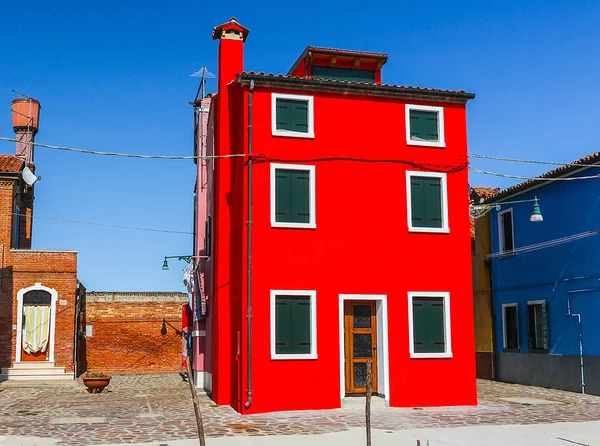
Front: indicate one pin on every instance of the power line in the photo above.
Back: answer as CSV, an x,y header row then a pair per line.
x,y
106,225
516,160
127,155
519,177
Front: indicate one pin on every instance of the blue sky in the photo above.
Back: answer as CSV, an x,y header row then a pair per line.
x,y
114,76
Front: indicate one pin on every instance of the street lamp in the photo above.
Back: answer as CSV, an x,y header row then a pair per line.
x,y
479,210
186,259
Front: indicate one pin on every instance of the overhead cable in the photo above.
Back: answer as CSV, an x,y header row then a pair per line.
x,y
519,177
516,160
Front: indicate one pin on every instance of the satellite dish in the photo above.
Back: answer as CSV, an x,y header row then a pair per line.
x,y
28,176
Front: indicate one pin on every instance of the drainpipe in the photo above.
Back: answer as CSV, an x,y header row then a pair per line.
x,y
578,316
249,235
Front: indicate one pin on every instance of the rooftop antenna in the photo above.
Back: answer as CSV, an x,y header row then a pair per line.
x,y
203,74
24,95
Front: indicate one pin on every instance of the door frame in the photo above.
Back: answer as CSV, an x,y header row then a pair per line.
x,y
382,340
54,297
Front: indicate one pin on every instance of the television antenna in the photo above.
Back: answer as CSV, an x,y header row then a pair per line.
x,y
203,74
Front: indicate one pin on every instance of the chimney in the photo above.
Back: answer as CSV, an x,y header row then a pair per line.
x,y
231,36
25,118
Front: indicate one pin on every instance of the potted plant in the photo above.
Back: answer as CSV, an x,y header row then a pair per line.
x,y
95,382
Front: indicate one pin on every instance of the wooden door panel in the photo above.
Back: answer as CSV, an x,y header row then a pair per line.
x,y
360,345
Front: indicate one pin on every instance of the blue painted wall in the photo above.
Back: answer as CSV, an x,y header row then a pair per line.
x,y
557,274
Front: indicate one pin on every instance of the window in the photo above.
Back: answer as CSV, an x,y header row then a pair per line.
x,y
293,324
16,229
425,126
344,74
292,115
293,196
537,326
510,327
208,236
505,227
427,202
429,325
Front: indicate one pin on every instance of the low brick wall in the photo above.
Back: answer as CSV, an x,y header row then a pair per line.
x,y
133,332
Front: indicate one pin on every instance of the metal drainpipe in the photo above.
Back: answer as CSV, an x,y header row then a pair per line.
x,y
578,316
249,235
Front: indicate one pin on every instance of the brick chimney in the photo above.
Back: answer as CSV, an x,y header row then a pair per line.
x,y
25,118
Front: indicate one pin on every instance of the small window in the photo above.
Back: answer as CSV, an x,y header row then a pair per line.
x,y
16,228
425,126
208,236
343,74
506,234
293,196
429,325
427,198
292,115
510,327
293,325
537,326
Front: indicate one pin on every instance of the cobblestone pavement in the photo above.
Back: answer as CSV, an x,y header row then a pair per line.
x,y
157,407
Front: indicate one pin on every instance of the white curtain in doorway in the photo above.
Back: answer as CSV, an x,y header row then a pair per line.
x,y
36,328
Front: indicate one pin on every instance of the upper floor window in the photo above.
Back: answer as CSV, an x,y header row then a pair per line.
x,y
16,228
505,230
293,196
427,202
429,325
292,115
343,74
425,126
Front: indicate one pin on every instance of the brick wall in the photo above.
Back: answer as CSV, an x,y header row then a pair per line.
x,y
128,333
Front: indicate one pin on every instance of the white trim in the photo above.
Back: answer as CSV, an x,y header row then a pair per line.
x,y
501,241
504,341
447,328
413,173
310,117
383,352
313,324
440,111
312,222
51,338
536,302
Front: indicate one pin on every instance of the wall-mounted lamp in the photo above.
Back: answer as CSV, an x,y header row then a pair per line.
x,y
186,259
479,210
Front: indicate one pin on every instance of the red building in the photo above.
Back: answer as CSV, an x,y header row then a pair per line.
x,y
338,233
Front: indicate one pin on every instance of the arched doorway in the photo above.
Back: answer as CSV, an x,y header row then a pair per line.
x,y
35,324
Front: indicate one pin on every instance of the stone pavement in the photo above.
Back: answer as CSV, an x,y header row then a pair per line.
x,y
157,407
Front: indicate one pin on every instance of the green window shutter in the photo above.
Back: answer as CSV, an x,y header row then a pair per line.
x,y
530,326
428,325
343,74
423,125
426,202
545,327
419,325
283,328
292,196
283,114
435,325
292,324
299,116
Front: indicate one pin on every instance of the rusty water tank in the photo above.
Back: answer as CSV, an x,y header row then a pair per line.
x,y
25,114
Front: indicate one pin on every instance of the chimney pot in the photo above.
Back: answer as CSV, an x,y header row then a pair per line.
x,y
25,115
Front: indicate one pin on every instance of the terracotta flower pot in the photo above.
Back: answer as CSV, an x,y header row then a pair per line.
x,y
96,385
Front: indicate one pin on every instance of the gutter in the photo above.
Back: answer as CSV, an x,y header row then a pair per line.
x,y
249,248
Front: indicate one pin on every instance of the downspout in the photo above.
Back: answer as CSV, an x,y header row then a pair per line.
x,y
249,248
578,316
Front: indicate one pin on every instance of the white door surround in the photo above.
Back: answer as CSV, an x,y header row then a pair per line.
x,y
54,297
383,370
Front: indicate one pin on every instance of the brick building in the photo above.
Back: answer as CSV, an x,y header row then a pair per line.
x,y
42,304
134,331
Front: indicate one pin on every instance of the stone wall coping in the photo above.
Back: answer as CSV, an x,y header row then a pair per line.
x,y
96,296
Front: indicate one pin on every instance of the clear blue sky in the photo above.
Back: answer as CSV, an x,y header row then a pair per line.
x,y
114,76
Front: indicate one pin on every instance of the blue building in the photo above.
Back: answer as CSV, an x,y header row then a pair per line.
x,y
545,279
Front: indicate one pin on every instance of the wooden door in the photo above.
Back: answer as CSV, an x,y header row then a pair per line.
x,y
360,345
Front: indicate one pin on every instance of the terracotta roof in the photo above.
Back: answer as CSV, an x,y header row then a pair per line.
x,y
456,95
11,163
561,171
477,194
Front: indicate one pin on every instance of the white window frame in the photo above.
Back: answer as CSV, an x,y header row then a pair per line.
x,y
413,173
310,118
504,337
313,324
441,142
312,222
501,240
447,328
